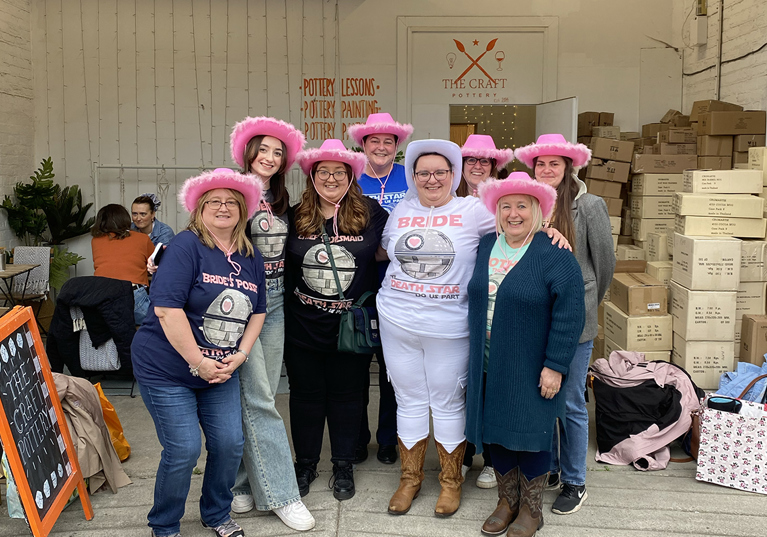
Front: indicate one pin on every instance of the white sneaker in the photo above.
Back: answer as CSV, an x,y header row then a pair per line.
x,y
295,516
486,478
465,470
242,503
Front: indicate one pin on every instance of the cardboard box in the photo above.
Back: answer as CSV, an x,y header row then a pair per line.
x,y
639,294
586,121
608,170
702,315
663,163
625,239
757,160
681,121
715,163
660,270
656,247
629,266
606,149
640,227
625,252
753,261
735,205
605,189
740,157
615,225
652,207
701,107
651,130
722,181
753,340
676,149
656,184
744,228
606,119
610,346
615,241
630,135
676,135
703,263
626,224
668,116
744,142
746,122
638,333
738,331
750,299
613,206
705,361
599,346
715,146
613,133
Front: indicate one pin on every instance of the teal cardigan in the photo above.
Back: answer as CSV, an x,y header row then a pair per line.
x,y
539,317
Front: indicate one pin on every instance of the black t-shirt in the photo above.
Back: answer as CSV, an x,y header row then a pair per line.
x,y
312,303
269,233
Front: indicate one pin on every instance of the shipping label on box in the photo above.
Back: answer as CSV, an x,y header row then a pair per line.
x,y
676,135
676,149
656,247
753,340
640,227
625,252
745,228
744,122
710,105
722,181
702,315
702,263
603,189
606,149
610,346
652,206
639,294
615,226
608,170
660,270
757,160
750,299
743,142
715,163
715,146
753,261
613,133
663,163
736,205
638,333
657,184
705,361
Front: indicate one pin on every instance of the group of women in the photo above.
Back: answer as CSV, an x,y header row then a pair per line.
x,y
485,315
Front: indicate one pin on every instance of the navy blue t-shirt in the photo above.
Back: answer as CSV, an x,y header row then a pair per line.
x,y
217,303
396,187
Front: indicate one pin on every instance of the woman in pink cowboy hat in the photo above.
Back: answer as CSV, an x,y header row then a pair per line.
x,y
384,180
268,147
526,311
481,160
325,384
583,219
209,304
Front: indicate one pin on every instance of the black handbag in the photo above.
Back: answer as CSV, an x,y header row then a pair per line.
x,y
358,331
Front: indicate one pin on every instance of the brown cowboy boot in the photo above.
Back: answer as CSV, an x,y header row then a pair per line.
x,y
450,478
411,477
508,503
530,518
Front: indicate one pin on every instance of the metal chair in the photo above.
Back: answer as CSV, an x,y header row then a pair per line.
x,y
37,286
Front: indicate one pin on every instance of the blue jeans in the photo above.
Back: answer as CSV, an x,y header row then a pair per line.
x,y
140,304
178,412
266,470
575,442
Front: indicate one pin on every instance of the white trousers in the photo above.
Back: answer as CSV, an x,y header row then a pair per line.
x,y
427,373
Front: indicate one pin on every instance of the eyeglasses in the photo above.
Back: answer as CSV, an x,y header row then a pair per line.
x,y
439,175
216,204
471,161
324,175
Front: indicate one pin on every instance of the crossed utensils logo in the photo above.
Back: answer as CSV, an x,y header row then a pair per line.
x,y
500,56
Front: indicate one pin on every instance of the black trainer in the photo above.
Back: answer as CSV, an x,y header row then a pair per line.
x,y
387,454
342,480
570,499
305,474
553,482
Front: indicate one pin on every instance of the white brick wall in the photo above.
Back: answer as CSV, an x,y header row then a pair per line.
x,y
16,103
744,81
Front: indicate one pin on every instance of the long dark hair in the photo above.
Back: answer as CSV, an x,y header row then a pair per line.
x,y
112,220
562,217
463,190
277,182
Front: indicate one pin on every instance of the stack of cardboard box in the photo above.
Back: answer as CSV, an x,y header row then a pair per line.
x,y
753,286
704,286
757,160
652,196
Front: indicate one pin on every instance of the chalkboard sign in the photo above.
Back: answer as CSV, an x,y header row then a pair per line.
x,y
32,427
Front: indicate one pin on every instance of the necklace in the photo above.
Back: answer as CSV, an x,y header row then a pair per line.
x,y
383,183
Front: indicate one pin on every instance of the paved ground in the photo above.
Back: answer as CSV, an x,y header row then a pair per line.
x,y
622,501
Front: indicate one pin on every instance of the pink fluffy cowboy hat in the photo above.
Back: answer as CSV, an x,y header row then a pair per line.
x,y
483,146
381,123
247,185
553,144
333,149
249,127
492,190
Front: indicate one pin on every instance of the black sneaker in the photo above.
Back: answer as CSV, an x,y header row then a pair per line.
x,y
570,499
360,454
387,454
305,474
553,483
342,480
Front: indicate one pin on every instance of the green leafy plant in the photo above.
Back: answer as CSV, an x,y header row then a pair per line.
x,y
66,214
60,263
26,217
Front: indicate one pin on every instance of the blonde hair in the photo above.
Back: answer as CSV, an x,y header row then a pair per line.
x,y
535,207
239,238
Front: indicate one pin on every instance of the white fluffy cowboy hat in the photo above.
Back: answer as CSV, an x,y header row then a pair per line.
x,y
446,148
381,123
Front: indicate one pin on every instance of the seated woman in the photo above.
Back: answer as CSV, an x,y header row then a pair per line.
x,y
122,254
142,211
526,314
